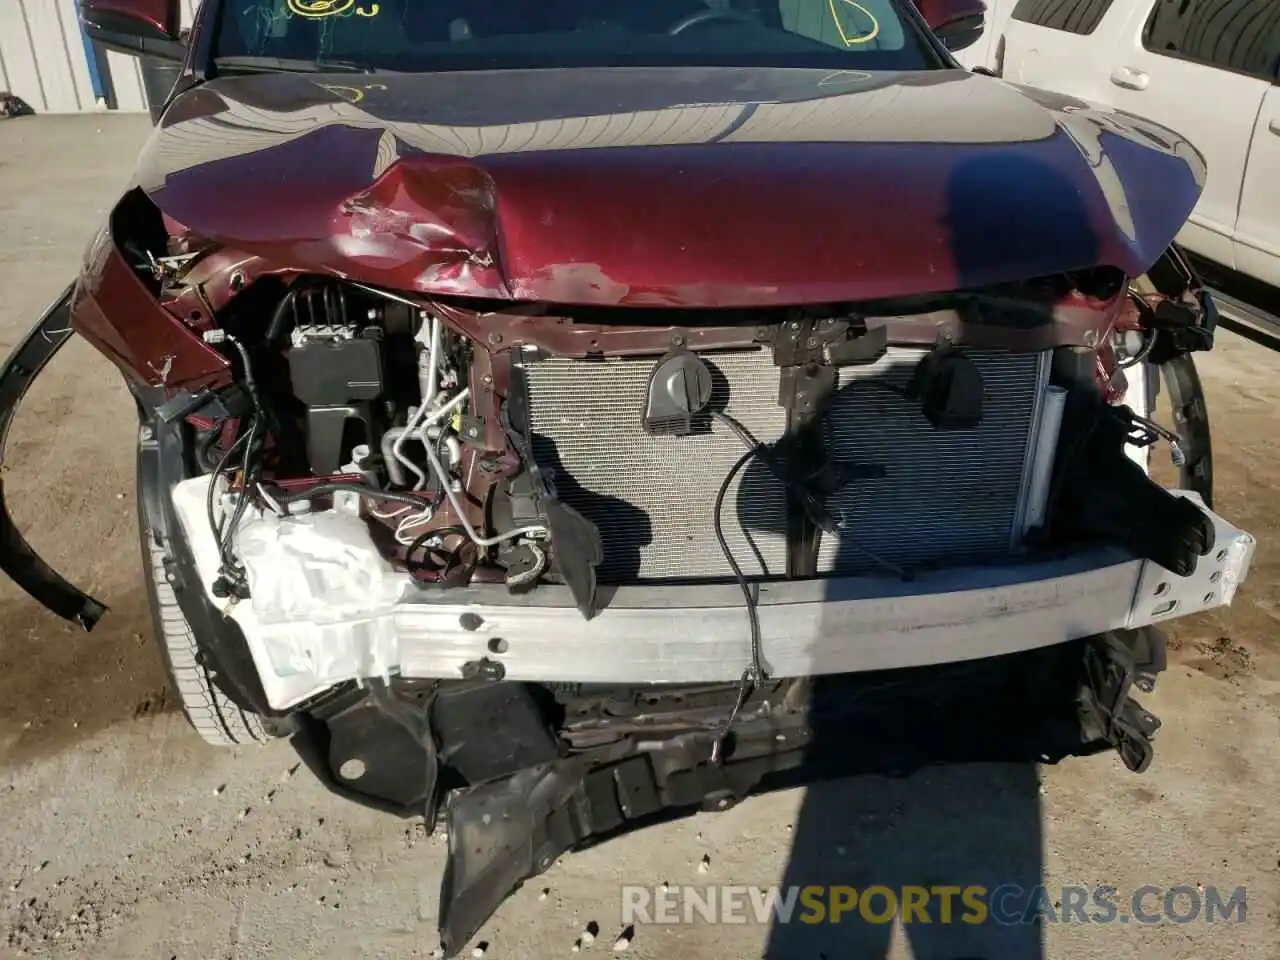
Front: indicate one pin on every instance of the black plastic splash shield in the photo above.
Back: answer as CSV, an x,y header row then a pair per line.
x,y
17,558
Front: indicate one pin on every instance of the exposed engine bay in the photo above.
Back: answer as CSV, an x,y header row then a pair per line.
x,y
459,441
546,450
647,550
365,452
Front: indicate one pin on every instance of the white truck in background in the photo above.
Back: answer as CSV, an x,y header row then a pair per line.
x,y
984,52
1209,69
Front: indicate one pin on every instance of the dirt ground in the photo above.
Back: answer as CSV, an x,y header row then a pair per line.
x,y
122,835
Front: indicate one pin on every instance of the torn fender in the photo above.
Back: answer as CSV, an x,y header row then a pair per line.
x,y
17,558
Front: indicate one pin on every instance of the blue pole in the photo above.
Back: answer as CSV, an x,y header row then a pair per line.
x,y
91,58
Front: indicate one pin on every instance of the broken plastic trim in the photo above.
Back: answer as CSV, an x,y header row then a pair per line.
x,y
508,830
1191,423
17,559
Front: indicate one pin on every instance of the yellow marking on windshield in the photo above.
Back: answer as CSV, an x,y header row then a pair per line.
x,y
352,95
849,41
320,9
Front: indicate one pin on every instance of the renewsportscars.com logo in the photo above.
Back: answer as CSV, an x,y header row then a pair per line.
x,y
942,904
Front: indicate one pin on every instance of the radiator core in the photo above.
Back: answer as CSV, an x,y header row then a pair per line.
x,y
948,495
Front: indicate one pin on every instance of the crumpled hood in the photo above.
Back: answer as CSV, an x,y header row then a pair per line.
x,y
681,187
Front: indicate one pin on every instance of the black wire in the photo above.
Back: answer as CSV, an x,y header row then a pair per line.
x,y
229,568
225,532
811,505
899,392
1163,433
454,556
1145,310
745,435
205,448
756,447
747,593
251,385
249,470
441,442
755,672
213,482
1143,352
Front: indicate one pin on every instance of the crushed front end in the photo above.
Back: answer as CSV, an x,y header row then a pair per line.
x,y
581,564
585,565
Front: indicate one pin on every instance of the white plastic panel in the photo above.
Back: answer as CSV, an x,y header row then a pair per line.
x,y
327,609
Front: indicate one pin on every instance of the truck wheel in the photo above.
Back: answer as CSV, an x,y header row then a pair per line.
x,y
217,720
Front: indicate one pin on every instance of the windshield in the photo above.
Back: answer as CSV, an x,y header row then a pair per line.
x,y
431,35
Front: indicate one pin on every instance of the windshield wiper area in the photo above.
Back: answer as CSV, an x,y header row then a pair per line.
x,y
290,65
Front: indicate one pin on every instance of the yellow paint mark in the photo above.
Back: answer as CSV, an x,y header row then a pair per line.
x,y
319,9
837,6
351,94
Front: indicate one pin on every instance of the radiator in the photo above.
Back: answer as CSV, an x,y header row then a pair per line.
x,y
652,497
947,495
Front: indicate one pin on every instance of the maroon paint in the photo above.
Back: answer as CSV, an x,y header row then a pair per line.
x,y
737,223
162,16
1071,322
289,172
938,13
115,312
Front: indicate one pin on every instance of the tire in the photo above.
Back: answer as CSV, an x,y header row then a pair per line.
x,y
216,718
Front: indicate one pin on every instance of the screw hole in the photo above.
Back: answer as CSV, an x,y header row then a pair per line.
x,y
1208,597
1162,608
1217,575
1222,554
1162,588
498,645
352,769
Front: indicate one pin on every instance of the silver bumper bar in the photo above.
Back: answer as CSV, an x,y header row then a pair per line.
x,y
329,609
692,634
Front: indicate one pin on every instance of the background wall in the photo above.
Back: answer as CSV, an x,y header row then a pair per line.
x,y
44,60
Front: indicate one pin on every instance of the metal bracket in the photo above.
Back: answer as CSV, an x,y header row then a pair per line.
x,y
1182,326
326,428
1114,663
809,350
577,550
828,341
804,390
473,431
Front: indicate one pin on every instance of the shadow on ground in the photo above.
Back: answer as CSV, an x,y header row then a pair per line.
x,y
974,821
60,686
950,802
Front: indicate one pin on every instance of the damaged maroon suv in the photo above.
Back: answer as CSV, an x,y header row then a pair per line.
x,y
556,414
